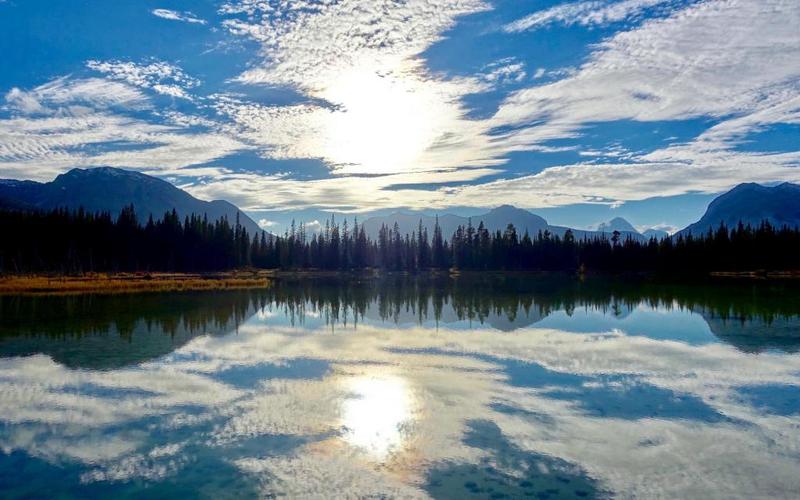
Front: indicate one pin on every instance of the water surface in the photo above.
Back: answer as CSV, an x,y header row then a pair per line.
x,y
492,387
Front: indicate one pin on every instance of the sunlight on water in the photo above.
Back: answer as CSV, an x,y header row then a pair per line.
x,y
375,415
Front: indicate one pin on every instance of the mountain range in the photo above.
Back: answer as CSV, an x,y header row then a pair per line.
x,y
110,189
498,219
750,203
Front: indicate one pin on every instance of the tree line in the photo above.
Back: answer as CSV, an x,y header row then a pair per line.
x,y
68,241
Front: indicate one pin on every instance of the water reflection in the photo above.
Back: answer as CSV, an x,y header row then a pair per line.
x,y
405,388
375,414
112,331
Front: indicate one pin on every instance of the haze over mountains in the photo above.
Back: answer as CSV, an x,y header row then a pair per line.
x,y
111,189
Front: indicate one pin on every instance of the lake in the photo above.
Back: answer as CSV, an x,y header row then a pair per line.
x,y
466,387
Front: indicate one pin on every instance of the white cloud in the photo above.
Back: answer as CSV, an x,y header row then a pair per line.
x,y
341,193
713,59
388,115
73,96
309,44
264,223
609,183
44,147
174,15
734,60
707,70
24,102
380,124
67,123
160,76
507,70
583,13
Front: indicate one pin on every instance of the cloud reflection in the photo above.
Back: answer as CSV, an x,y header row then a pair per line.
x,y
390,410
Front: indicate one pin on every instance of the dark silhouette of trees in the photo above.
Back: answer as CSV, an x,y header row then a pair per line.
x,y
76,241
65,241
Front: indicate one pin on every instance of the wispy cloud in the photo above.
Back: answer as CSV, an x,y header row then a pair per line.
x,y
310,44
707,60
507,70
583,13
74,96
174,15
162,77
69,122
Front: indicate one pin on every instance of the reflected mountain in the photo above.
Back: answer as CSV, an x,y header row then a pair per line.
x,y
113,331
756,335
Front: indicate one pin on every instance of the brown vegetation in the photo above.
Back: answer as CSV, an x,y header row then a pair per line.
x,y
131,282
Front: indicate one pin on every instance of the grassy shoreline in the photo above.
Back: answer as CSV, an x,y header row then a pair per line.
x,y
131,282
169,282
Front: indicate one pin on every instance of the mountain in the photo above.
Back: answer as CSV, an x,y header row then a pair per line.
x,y
111,189
625,229
751,203
502,216
616,224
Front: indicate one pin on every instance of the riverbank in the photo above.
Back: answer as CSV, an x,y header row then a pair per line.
x,y
132,282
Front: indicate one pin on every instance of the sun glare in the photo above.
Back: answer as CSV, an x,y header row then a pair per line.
x,y
384,125
375,415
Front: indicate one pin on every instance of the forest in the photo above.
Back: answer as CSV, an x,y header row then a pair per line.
x,y
75,242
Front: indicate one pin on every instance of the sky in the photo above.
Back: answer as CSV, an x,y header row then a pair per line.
x,y
579,111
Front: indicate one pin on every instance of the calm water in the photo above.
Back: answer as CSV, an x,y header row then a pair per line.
x,y
490,388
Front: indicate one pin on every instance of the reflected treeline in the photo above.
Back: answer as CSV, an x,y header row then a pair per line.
x,y
753,316
96,331
480,296
109,331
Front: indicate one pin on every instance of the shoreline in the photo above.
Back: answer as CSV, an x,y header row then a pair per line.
x,y
40,284
142,282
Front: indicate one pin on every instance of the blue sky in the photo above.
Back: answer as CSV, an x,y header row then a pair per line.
x,y
580,111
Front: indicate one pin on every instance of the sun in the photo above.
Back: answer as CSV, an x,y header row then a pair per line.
x,y
383,123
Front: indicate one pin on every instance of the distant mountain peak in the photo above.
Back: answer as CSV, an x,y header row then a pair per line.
x,y
511,209
616,224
